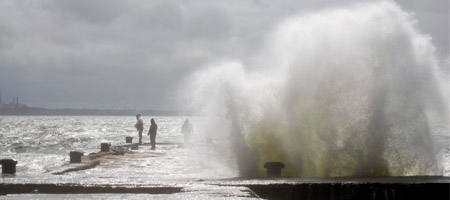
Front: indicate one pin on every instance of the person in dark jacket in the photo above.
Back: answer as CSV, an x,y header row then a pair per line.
x,y
140,127
152,133
187,131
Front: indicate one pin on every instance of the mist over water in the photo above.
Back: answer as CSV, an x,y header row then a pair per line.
x,y
354,91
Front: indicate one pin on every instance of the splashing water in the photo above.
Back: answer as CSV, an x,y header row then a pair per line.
x,y
344,92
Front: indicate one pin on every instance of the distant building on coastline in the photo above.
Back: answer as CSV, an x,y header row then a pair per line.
x,y
12,105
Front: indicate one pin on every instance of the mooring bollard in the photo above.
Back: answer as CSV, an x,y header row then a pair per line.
x,y
274,169
75,156
129,139
8,166
104,147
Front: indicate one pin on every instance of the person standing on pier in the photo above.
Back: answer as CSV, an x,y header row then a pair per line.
x,y
140,127
187,131
152,133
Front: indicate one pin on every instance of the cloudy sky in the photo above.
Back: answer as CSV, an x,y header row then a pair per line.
x,y
117,54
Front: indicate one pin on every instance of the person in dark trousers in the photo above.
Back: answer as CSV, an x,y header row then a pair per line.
x,y
140,127
152,133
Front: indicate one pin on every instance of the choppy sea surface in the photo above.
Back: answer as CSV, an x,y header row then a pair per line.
x,y
41,144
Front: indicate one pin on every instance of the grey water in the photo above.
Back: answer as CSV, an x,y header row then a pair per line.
x,y
42,144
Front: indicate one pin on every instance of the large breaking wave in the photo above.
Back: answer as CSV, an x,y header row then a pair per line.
x,y
353,91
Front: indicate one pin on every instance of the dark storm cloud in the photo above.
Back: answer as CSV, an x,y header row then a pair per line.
x,y
111,53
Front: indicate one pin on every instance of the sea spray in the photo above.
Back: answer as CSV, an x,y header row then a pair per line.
x,y
342,92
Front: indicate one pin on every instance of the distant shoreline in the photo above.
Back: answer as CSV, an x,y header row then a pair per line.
x,y
35,111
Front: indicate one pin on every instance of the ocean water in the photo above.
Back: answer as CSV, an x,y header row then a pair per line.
x,y
42,144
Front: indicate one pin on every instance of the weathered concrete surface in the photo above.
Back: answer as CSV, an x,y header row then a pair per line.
x,y
93,159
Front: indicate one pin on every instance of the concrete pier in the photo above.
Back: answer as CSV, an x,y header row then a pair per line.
x,y
107,176
328,189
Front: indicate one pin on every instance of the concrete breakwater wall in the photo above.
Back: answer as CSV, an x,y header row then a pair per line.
x,y
432,188
345,191
81,189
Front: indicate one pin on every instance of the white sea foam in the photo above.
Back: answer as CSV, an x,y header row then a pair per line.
x,y
354,91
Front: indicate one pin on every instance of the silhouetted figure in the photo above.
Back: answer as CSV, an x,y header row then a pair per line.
x,y
152,132
140,127
187,131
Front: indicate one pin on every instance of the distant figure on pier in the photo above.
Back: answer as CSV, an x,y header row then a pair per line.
x,y
140,127
152,133
187,131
